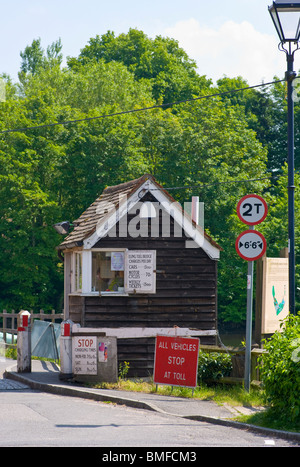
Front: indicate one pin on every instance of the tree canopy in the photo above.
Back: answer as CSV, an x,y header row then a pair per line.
x,y
219,148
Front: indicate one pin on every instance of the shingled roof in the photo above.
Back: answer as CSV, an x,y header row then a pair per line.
x,y
86,224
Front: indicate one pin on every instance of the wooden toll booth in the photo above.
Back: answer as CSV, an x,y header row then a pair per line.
x,y
137,265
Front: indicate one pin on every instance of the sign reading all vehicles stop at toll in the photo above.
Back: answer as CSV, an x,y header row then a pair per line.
x,y
176,361
251,245
252,209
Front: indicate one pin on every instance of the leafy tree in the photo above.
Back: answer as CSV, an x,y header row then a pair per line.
x,y
34,57
161,61
265,110
54,172
29,271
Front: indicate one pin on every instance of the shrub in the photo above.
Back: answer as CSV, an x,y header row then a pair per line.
x,y
123,370
213,366
11,352
280,369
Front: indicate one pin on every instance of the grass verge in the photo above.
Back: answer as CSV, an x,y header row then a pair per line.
x,y
271,419
234,395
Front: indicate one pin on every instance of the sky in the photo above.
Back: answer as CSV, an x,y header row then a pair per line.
x,y
224,37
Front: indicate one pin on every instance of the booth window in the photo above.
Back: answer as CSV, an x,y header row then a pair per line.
x,y
108,271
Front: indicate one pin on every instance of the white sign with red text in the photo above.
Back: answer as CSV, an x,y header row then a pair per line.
x,y
84,355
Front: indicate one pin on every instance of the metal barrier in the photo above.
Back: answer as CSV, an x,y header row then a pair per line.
x,y
45,340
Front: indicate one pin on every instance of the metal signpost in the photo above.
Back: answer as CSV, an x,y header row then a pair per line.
x,y
250,245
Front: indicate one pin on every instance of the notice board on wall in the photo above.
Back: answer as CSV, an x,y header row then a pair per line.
x,y
140,269
84,355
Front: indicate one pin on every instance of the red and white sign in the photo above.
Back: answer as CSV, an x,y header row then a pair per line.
x,y
23,321
252,209
84,355
65,329
176,361
251,245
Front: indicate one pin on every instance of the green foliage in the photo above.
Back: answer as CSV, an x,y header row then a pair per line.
x,y
280,369
123,370
213,366
12,353
160,61
53,173
34,57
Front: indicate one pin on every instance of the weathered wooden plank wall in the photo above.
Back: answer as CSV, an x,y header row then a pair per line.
x,y
186,296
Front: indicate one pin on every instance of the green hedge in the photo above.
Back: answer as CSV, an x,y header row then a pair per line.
x,y
280,369
213,366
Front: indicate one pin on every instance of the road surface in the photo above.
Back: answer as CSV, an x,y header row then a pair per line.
x,y
33,418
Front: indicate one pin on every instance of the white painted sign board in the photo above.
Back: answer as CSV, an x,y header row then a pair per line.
x,y
84,355
140,274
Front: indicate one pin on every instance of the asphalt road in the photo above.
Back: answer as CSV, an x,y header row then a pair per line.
x,y
33,418
29,418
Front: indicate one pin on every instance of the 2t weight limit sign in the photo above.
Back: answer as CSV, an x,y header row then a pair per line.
x,y
252,209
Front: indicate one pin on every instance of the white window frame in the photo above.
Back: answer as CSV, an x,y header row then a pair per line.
x,y
86,274
76,266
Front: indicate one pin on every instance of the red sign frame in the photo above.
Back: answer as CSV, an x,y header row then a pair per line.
x,y
238,209
262,239
176,361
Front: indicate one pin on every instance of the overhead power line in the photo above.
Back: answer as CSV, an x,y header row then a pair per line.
x,y
143,109
204,185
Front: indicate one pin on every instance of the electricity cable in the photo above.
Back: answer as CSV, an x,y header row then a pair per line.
x,y
156,106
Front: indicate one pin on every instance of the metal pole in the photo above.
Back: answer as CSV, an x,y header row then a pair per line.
x,y
290,76
249,324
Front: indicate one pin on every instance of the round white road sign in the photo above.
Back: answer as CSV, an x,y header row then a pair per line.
x,y
251,245
252,209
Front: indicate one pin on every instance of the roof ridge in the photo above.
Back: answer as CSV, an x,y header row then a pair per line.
x,y
131,184
86,224
128,184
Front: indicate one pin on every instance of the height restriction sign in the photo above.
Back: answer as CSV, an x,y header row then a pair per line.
x,y
251,245
252,209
